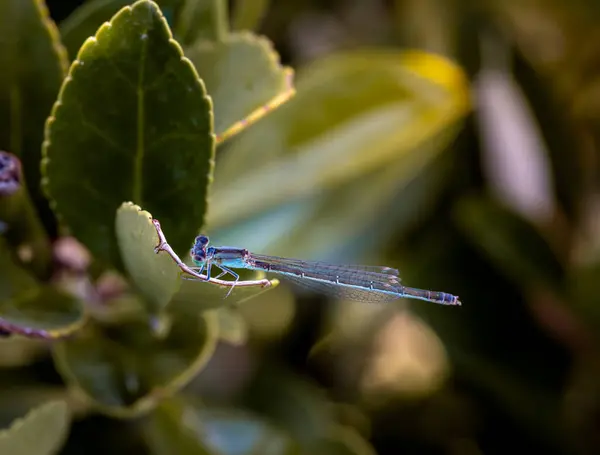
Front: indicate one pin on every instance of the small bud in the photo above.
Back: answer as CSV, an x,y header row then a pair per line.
x,y
71,254
10,174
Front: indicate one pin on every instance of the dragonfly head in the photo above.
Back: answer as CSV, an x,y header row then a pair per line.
x,y
198,251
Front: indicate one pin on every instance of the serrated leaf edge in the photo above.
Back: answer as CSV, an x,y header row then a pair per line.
x,y
56,107
274,62
50,25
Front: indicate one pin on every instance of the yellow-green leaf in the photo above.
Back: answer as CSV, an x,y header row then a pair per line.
x,y
156,276
242,74
354,113
41,432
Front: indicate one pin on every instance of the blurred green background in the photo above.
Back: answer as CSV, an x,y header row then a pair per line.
x,y
485,188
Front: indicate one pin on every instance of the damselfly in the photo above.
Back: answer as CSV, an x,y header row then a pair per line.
x,y
354,282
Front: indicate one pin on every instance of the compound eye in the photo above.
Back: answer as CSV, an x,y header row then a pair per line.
x,y
199,258
202,240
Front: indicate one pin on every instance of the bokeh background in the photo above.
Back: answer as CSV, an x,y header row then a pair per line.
x,y
498,205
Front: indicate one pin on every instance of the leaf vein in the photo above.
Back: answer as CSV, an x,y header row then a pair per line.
x,y
105,137
139,156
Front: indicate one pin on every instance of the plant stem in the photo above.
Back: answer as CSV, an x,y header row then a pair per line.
x,y
248,14
202,19
221,19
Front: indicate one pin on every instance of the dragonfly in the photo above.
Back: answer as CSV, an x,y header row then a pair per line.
x,y
354,282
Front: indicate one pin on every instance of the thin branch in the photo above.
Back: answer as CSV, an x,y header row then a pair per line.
x,y
164,246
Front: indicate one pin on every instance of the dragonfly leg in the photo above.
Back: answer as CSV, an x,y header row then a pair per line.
x,y
233,274
225,271
198,271
221,274
208,265
163,245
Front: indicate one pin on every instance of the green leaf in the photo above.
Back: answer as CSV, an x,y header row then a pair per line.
x,y
242,73
516,247
156,276
355,113
34,64
41,432
184,428
34,310
85,20
125,370
136,107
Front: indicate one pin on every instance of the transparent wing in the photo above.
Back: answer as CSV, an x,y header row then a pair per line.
x,y
326,267
356,282
341,292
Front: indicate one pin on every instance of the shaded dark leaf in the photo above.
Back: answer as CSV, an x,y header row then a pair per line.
x,y
34,64
32,309
126,370
140,113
